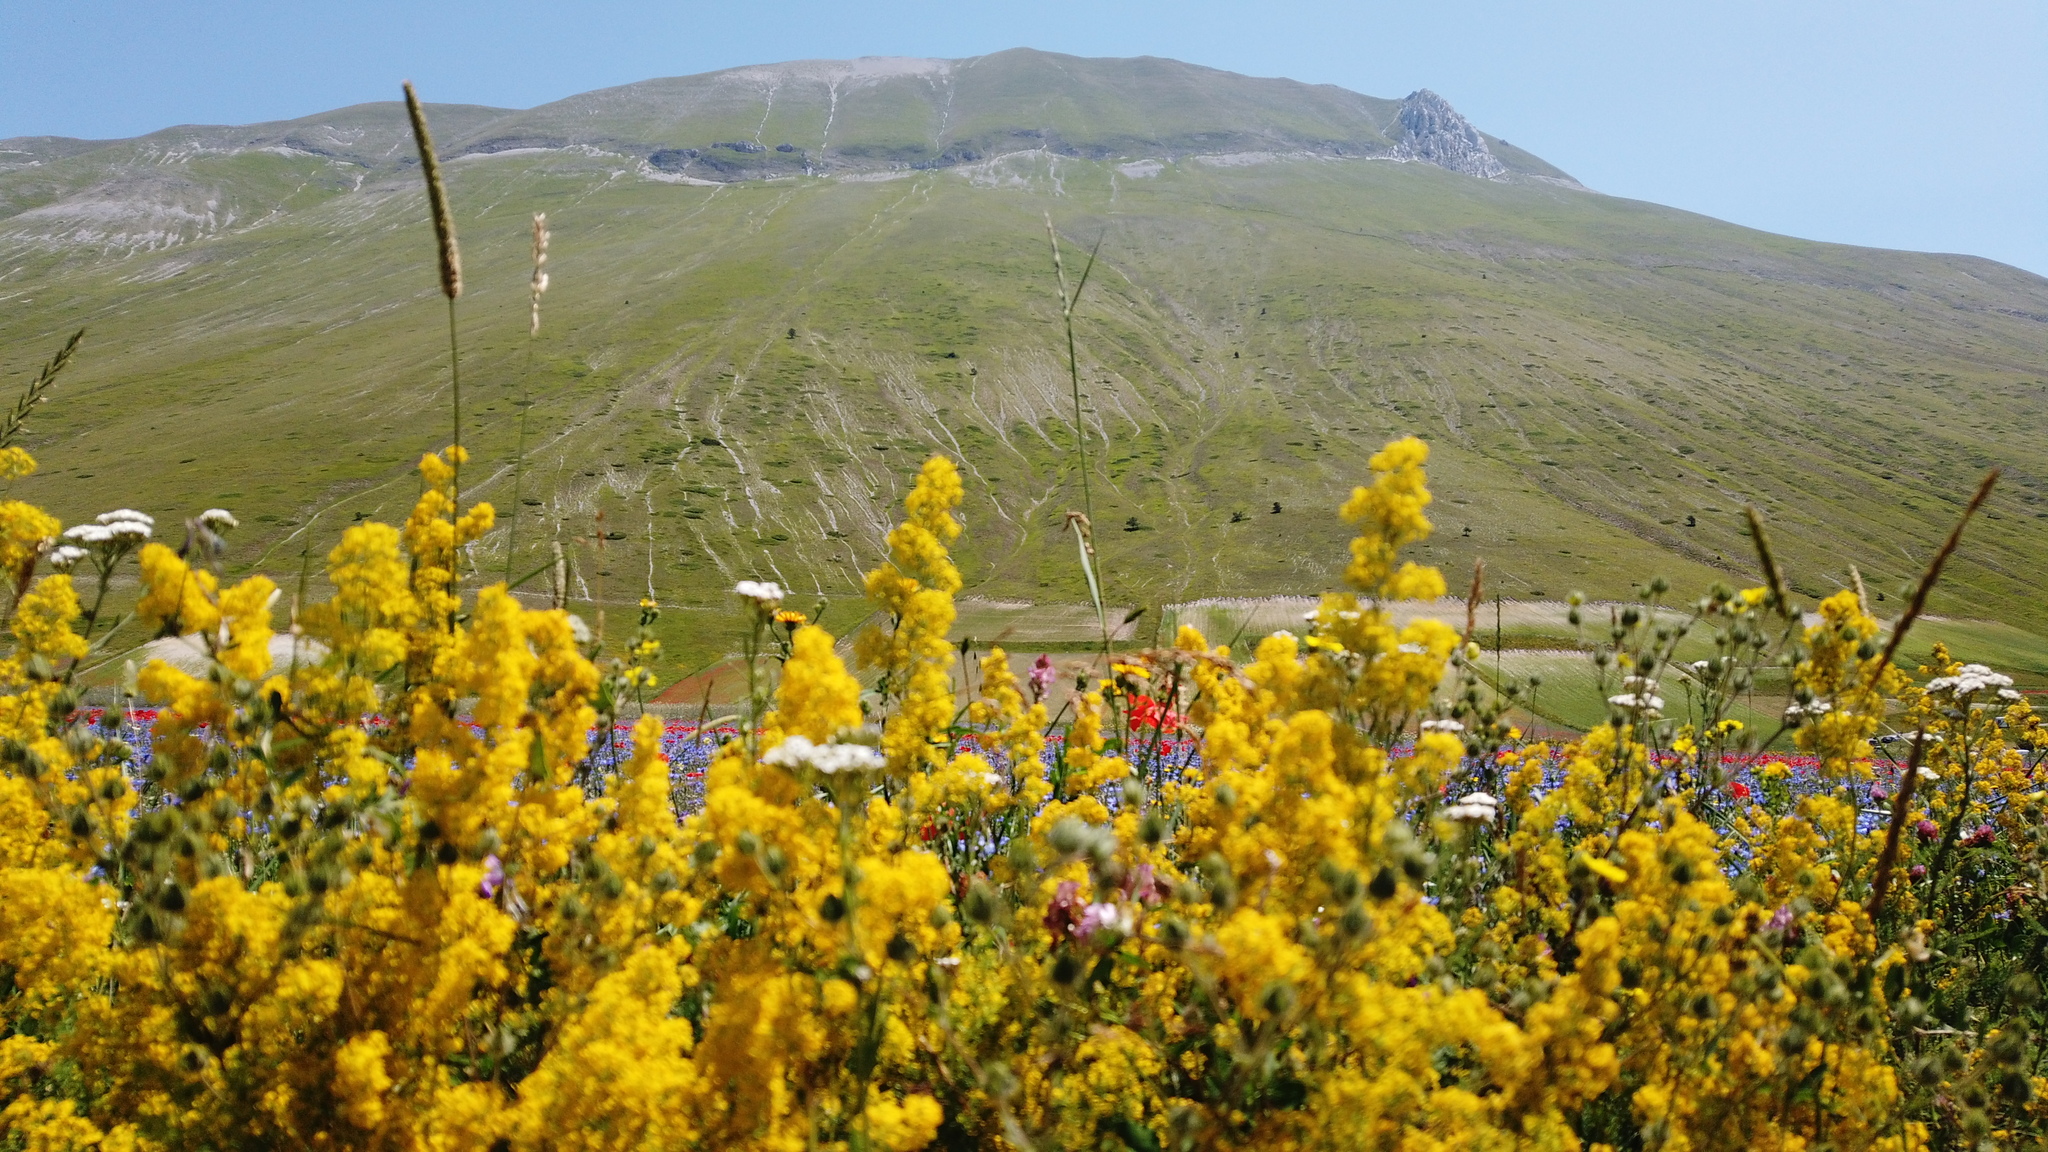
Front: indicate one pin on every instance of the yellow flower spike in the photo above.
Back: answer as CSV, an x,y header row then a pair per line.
x,y
915,588
818,698
24,528
1390,516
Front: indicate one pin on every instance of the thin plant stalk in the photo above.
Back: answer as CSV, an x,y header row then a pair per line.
x,y
1068,300
538,285
37,391
1083,522
451,285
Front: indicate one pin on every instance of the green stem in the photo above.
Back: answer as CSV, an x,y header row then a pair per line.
x,y
519,461
455,451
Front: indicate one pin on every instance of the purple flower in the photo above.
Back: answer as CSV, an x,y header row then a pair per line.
x,y
1878,794
1041,677
494,878
1781,919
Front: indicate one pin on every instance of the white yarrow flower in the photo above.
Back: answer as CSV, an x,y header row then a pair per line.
x,y
64,556
89,533
130,514
218,519
1442,726
1969,679
1926,773
765,593
828,759
1474,808
1638,702
128,530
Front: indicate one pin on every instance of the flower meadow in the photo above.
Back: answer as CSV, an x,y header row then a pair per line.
x,y
1318,895
433,880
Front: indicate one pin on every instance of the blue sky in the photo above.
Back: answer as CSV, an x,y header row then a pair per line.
x,y
1897,124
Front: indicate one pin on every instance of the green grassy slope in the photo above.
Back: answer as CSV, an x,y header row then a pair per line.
x,y
1590,371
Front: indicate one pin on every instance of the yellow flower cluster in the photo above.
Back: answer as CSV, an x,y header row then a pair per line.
x,y
385,897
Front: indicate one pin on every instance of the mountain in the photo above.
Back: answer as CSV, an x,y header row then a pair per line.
x,y
775,289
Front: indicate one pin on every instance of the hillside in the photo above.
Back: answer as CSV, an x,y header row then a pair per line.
x,y
748,348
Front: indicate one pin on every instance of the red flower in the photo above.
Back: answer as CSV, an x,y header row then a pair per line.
x,y
1149,713
1740,790
928,831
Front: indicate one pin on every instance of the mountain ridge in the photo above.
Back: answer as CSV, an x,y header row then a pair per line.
x,y
740,368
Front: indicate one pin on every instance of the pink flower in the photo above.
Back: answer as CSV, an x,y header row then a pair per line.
x,y
1927,829
1781,919
1098,918
1143,886
493,879
1041,677
1917,872
1982,837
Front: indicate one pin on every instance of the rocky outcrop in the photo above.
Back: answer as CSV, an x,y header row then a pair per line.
x,y
1434,133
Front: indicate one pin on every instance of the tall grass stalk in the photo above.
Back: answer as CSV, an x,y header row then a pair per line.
x,y
451,279
37,391
1083,523
536,287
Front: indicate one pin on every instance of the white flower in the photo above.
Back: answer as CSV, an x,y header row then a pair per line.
x,y
1104,918
1969,679
1442,726
129,514
1347,615
1474,808
64,556
219,519
1926,773
828,759
1413,649
578,630
129,530
1643,702
762,592
948,962
1701,665
89,533
2009,694
1309,617
1638,683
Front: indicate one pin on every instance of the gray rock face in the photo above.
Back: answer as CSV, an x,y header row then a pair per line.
x,y
1434,133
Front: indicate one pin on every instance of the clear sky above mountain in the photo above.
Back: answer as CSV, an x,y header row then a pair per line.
x,y
1894,123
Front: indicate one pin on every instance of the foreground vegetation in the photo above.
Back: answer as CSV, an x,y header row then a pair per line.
x,y
386,898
